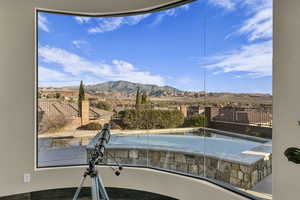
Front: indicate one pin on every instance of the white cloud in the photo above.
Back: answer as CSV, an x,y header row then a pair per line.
x,y
70,62
43,23
106,25
78,43
227,4
169,13
133,20
126,71
256,5
123,66
82,20
253,59
80,67
259,26
52,78
113,23
46,74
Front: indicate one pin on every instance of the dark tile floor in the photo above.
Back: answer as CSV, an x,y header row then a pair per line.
x,y
67,194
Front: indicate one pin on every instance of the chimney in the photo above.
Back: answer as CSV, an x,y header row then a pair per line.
x,y
207,113
85,115
183,110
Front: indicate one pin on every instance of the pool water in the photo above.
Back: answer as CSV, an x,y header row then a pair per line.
x,y
214,144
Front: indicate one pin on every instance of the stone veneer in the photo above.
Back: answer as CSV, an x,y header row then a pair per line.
x,y
231,172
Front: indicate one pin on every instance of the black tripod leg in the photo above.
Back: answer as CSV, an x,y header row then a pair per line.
x,y
79,188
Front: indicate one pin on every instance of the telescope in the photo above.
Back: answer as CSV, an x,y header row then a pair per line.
x,y
98,190
102,138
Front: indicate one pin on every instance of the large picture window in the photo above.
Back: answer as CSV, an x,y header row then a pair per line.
x,y
187,89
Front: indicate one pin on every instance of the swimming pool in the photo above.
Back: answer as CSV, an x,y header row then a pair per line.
x,y
215,144
227,147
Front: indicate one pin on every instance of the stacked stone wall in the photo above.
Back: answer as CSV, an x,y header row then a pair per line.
x,y
234,173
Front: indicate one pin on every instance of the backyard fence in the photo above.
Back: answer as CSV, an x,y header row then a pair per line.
x,y
242,115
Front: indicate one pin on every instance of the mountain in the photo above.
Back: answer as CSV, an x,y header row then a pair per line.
x,y
130,88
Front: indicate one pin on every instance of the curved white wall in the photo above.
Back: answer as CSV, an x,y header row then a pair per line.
x,y
176,186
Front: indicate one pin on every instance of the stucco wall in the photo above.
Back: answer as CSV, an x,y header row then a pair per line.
x,y
17,113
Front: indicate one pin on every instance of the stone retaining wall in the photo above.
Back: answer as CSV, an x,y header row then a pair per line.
x,y
236,174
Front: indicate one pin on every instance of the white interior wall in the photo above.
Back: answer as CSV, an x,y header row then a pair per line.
x,y
286,82
17,82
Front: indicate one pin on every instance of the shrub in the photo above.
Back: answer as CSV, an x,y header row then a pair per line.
x,y
114,124
151,119
258,134
103,105
52,125
196,121
202,133
93,126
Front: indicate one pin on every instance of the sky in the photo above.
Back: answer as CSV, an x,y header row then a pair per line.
x,y
226,44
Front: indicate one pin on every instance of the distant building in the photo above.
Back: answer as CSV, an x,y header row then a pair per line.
x,y
51,109
183,110
194,110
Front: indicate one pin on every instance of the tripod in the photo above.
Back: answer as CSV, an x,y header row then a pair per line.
x,y
97,189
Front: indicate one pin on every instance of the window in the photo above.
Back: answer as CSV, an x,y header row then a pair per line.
x,y
187,89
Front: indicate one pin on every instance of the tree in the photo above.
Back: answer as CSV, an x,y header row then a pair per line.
x,y
94,126
57,95
138,99
103,105
150,119
197,120
81,97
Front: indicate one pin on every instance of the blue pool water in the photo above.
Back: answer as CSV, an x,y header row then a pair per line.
x,y
214,145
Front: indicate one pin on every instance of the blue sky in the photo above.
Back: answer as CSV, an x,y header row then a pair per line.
x,y
230,41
